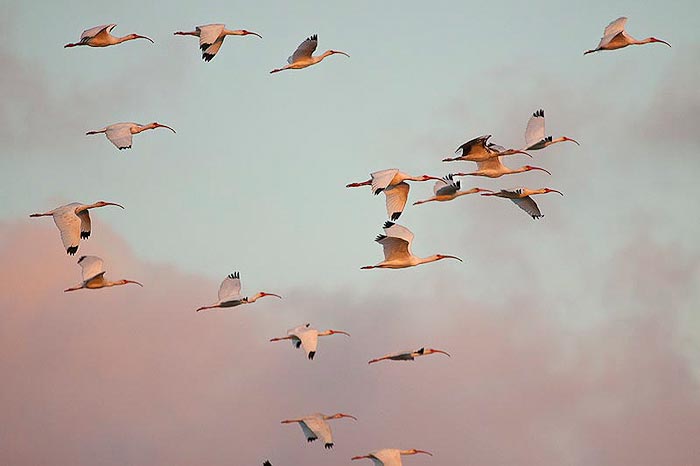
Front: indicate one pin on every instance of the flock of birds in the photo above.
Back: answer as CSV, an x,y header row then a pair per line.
x,y
73,220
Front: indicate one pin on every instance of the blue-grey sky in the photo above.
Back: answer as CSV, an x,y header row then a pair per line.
x,y
254,178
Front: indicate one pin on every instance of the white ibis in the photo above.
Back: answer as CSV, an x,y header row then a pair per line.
x,y
494,168
535,136
478,150
408,355
94,275
211,37
307,337
521,198
230,294
100,36
302,56
315,427
615,37
392,183
389,456
447,189
73,221
120,134
396,242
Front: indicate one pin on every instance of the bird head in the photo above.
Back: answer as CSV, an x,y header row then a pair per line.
x,y
428,177
333,52
137,36
413,451
654,39
548,190
243,32
340,415
443,256
333,332
155,124
530,167
482,190
564,138
124,282
433,350
104,203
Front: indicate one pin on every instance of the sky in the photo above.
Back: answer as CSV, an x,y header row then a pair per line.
x,y
574,339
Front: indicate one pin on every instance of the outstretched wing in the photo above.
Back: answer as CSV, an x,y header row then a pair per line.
x,y
92,32
528,205
304,50
69,225
446,186
85,226
535,131
613,29
472,145
308,433
208,34
396,198
382,178
394,248
388,457
212,50
320,428
309,341
394,230
120,135
230,289
92,267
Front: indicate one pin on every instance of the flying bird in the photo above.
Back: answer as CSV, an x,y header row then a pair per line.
x,y
211,37
306,337
396,242
120,134
535,137
521,198
94,275
302,56
615,37
315,427
73,221
480,150
389,456
408,355
392,183
494,168
100,36
447,189
230,294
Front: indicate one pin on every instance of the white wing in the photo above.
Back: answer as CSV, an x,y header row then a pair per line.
x,y
388,456
69,225
494,163
394,248
529,206
613,29
208,34
473,145
212,50
396,197
309,341
295,333
304,50
230,289
310,435
534,132
382,178
446,186
320,428
394,230
120,135
85,225
92,32
92,267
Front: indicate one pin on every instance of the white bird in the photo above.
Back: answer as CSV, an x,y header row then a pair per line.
x,y
211,37
389,456
73,221
494,168
94,275
535,137
392,183
447,189
396,242
302,56
307,337
120,134
230,294
479,150
100,36
521,198
408,355
315,427
615,37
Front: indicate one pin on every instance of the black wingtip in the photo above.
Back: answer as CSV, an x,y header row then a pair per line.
x,y
328,446
297,344
207,57
379,238
234,275
421,351
72,250
84,234
395,215
539,113
267,463
312,354
388,224
313,37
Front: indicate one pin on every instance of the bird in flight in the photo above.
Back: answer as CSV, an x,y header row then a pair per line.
x,y
389,456
211,37
535,136
120,134
303,55
315,427
93,272
100,36
447,189
306,337
230,294
615,37
73,221
480,150
522,198
408,355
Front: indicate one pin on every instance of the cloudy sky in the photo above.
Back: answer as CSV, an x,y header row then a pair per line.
x,y
575,338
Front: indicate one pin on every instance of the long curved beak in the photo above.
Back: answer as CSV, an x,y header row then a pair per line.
x,y
114,203
424,452
482,190
452,257
572,140
555,191
134,282
359,458
165,126
348,415
662,41
272,294
251,33
342,53
341,332
441,351
144,37
541,169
